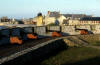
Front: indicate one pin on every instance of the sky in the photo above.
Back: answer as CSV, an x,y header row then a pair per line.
x,y
30,8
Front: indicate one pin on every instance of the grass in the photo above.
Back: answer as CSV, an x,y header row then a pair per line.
x,y
75,56
96,43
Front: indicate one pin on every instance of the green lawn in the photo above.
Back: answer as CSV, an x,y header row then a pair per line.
x,y
75,56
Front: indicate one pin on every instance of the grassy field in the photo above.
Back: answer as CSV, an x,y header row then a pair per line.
x,y
95,43
75,56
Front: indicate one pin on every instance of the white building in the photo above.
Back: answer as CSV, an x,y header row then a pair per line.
x,y
52,17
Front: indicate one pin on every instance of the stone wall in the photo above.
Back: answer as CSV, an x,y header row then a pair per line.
x,y
37,53
70,30
89,38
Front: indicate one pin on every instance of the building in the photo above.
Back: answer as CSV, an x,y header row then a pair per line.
x,y
6,20
73,19
39,20
90,20
85,21
76,16
62,20
52,17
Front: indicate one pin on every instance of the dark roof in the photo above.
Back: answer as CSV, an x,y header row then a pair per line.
x,y
76,15
39,14
90,19
54,14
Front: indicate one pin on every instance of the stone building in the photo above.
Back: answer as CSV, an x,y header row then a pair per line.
x,y
6,20
74,19
76,16
89,21
85,21
52,17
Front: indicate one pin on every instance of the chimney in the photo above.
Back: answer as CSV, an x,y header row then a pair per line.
x,y
48,12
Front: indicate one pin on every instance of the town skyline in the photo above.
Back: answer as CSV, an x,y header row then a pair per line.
x,y
30,8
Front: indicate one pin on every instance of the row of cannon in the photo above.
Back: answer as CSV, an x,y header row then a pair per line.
x,y
17,35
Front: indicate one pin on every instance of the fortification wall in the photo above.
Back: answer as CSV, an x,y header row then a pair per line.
x,y
89,38
34,54
70,30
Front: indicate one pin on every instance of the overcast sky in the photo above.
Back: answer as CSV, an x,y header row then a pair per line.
x,y
30,8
